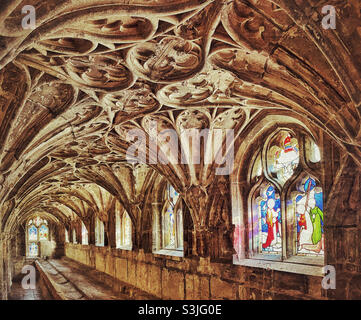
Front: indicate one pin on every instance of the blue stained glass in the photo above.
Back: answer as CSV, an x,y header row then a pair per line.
x,y
33,233
33,249
269,206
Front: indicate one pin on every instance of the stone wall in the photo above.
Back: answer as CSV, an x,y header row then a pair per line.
x,y
178,278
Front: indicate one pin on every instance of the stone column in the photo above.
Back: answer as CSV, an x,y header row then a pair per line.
x,y
343,232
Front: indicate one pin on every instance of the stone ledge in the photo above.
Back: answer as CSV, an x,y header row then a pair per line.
x,y
169,254
281,266
53,288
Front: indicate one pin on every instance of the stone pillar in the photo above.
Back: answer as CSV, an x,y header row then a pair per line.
x,y
91,233
59,237
343,232
4,260
2,284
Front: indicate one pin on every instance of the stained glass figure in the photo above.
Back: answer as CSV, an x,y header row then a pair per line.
x,y
33,250
43,232
308,204
269,218
33,233
284,156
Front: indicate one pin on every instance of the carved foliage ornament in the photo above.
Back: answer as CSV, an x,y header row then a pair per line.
x,y
104,73
169,60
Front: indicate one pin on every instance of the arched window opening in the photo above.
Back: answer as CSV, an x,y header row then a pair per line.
x,y
74,237
285,202
66,235
43,232
84,234
123,230
307,204
283,156
267,222
168,222
99,232
37,231
33,250
172,220
33,233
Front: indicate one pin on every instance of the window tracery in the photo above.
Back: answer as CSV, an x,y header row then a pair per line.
x,y
285,216
37,230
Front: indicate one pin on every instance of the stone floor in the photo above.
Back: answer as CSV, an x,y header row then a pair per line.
x,y
93,284
18,293
81,285
66,279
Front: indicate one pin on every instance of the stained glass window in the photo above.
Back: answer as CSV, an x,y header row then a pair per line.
x,y
283,156
169,228
284,214
38,221
173,195
172,221
33,249
313,151
43,232
33,233
308,207
37,231
268,220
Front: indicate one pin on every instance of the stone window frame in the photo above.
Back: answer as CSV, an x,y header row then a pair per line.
x,y
38,241
120,218
66,235
160,209
289,261
99,231
84,231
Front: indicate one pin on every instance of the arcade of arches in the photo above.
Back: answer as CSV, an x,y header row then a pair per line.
x,y
274,194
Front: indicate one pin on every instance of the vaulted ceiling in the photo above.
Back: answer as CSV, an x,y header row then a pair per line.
x,y
72,88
